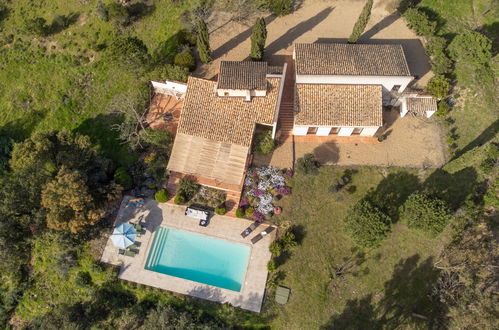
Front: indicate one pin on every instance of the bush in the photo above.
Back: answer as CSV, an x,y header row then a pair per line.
x,y
83,279
471,47
118,14
307,164
220,210
102,12
161,196
171,72
128,51
249,211
179,199
367,225
438,86
264,143
122,178
185,60
420,22
271,266
443,109
203,42
240,212
37,26
187,188
287,240
280,7
424,213
275,248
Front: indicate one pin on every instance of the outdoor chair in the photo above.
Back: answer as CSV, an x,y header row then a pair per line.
x,y
121,251
204,223
264,233
250,229
282,295
130,253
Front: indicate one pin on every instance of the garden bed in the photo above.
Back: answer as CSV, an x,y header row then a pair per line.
x,y
263,186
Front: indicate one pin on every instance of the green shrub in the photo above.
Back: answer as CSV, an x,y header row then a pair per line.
x,y
419,22
264,143
249,211
161,196
158,138
220,210
122,178
271,266
275,248
438,86
128,51
471,47
179,199
83,279
435,45
258,38
171,72
280,7
186,60
367,225
102,12
361,22
240,212
118,14
424,213
443,109
187,188
287,240
203,42
307,164
37,26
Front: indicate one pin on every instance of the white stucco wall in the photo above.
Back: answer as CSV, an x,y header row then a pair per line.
x,y
344,131
386,81
240,92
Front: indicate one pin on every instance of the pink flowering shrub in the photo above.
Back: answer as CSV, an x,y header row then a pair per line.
x,y
244,202
259,217
283,190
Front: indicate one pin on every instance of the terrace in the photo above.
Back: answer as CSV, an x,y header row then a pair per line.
x,y
154,214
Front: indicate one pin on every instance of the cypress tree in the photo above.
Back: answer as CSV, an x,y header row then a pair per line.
x,y
203,42
258,38
361,23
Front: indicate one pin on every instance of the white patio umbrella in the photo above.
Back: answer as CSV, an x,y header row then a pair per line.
x,y
123,235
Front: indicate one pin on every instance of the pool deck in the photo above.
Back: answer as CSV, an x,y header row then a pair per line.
x,y
160,214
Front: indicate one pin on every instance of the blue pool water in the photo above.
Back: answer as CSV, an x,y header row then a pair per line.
x,y
198,258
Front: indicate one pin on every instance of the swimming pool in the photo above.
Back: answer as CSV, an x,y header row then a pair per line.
x,y
198,258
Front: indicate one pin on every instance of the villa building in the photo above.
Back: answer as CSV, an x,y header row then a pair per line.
x,y
219,119
340,89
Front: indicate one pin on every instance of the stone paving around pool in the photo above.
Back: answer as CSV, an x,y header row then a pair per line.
x,y
159,214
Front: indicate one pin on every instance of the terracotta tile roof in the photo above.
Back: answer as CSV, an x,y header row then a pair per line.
x,y
351,59
419,105
338,105
242,75
275,69
194,155
225,119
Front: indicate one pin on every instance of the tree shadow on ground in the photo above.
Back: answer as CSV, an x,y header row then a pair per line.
x,y
453,188
405,301
21,128
100,133
62,22
235,41
287,39
488,134
299,232
327,153
384,23
392,191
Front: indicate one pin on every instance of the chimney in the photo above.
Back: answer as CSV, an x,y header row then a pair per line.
x,y
248,96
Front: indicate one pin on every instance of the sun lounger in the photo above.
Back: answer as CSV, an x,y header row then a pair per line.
x,y
130,253
204,223
250,229
282,295
196,213
264,233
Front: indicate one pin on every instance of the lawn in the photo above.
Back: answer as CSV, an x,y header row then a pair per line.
x,y
381,287
63,81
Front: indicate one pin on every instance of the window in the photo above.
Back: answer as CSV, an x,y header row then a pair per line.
x,y
226,93
335,130
357,130
312,130
396,88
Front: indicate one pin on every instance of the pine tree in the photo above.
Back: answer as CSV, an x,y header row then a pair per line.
x,y
258,38
203,42
361,23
